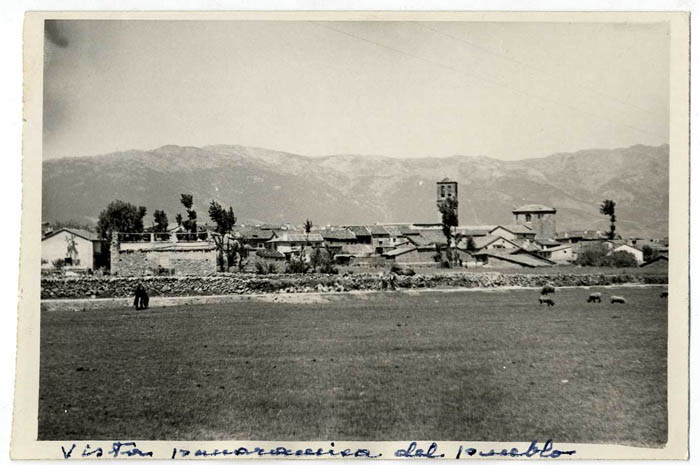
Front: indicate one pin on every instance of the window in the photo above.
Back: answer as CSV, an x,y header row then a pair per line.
x,y
528,217
442,191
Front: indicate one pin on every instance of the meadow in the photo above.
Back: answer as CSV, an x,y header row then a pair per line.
x,y
429,365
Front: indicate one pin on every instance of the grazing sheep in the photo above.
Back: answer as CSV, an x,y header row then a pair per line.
x,y
664,295
594,297
616,299
547,289
546,300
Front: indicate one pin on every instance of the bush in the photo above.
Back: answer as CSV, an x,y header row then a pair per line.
x,y
445,264
58,263
597,254
619,259
409,272
592,254
396,269
297,265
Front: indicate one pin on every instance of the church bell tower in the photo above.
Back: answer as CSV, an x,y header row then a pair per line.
x,y
447,189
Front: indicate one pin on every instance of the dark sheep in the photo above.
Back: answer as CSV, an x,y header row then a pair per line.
x,y
616,299
595,297
547,289
546,300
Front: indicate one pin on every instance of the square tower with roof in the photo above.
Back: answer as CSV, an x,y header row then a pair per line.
x,y
540,218
446,189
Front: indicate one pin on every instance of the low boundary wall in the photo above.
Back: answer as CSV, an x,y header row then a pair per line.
x,y
238,283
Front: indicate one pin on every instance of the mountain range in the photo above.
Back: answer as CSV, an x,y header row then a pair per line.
x,y
278,187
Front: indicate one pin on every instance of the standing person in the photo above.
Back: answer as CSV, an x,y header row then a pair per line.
x,y
140,297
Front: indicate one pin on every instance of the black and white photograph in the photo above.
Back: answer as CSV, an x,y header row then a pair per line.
x,y
450,234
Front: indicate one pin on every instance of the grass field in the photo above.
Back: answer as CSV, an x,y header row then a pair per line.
x,y
475,365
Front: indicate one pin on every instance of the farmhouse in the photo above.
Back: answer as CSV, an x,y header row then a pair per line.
x,y
254,236
428,237
337,238
362,234
381,239
493,242
513,231
411,255
71,247
510,258
565,253
290,242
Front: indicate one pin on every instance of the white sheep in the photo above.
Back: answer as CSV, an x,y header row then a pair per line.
x,y
616,299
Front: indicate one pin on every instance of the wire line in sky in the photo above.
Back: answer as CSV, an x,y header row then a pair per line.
x,y
487,80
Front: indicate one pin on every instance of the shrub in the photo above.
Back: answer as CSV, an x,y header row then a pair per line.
x,y
592,254
409,272
619,259
58,263
297,265
260,268
271,267
445,264
396,269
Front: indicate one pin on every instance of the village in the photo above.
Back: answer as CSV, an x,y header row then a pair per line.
x,y
531,240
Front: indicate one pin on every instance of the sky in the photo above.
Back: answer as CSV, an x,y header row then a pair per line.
x,y
402,89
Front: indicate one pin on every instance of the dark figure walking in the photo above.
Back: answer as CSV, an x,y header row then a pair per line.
x,y
140,297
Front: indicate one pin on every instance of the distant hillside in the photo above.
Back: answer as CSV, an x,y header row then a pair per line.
x,y
269,186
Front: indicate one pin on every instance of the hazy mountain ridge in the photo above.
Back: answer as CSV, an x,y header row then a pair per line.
x,y
273,186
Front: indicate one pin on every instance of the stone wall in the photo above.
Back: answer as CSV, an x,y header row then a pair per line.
x,y
180,262
247,283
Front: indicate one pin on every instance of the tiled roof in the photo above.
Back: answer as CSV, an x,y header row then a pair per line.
x,y
254,233
406,230
294,237
427,237
481,242
474,230
84,233
265,253
560,247
514,228
580,234
398,251
534,208
338,234
394,231
359,231
547,242
377,230
525,244
526,260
